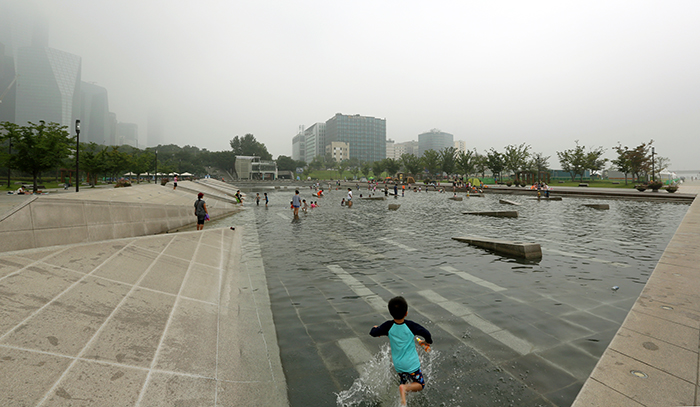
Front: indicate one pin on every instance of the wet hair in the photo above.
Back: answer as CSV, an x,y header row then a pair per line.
x,y
296,192
398,307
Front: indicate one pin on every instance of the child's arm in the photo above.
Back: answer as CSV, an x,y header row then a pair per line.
x,y
381,330
419,330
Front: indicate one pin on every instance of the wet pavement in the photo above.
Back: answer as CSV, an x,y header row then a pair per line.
x,y
506,331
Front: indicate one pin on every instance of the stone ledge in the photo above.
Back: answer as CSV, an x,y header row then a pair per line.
x,y
517,249
498,214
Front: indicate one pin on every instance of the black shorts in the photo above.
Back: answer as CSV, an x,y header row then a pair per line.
x,y
200,219
416,376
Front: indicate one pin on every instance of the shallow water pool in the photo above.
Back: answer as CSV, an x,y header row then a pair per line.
x,y
506,331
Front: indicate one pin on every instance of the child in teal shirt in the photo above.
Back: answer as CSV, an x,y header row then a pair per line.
x,y
402,333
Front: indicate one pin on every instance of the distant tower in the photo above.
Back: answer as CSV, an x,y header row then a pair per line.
x,y
154,135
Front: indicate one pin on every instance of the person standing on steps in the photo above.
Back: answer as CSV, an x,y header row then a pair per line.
x,y
200,211
175,182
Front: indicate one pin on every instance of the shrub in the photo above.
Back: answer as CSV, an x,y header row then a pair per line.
x,y
122,183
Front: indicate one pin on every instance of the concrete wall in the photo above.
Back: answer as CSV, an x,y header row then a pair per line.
x,y
49,222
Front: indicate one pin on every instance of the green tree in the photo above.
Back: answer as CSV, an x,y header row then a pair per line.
x,y
377,168
340,167
448,160
92,160
595,160
480,164
248,145
10,132
411,163
392,166
622,163
285,163
365,166
431,160
465,162
573,161
142,162
515,157
577,160
117,162
539,163
38,147
495,163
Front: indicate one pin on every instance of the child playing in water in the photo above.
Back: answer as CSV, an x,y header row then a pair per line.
x,y
306,206
401,333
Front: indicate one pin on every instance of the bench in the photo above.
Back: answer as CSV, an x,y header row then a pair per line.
x,y
31,186
583,184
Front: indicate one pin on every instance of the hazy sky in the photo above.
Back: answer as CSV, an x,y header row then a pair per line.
x,y
492,73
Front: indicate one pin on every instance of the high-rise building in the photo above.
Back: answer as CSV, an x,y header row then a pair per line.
x,y
390,148
8,85
299,147
94,115
48,86
338,151
154,135
315,137
434,140
365,135
128,133
112,127
461,145
407,147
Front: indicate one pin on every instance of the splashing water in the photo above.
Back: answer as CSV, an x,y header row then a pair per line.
x,y
378,384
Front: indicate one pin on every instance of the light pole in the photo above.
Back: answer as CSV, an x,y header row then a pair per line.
x,y
9,168
77,152
653,175
156,167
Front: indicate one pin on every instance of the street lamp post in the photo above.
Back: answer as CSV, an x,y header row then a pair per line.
x,y
653,175
77,152
156,167
9,168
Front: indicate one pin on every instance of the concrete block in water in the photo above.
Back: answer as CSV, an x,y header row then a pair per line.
x,y
551,198
374,198
507,202
516,249
393,207
597,206
456,198
475,196
498,214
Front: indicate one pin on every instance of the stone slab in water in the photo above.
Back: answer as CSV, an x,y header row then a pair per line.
x,y
507,202
516,249
551,198
498,214
393,207
475,195
456,198
374,198
597,206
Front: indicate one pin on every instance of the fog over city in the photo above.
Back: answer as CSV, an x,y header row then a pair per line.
x,y
545,73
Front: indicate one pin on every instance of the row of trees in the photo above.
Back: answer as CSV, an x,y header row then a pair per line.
x,y
513,159
38,148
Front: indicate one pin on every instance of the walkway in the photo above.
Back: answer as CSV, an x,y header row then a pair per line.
x,y
176,319
653,360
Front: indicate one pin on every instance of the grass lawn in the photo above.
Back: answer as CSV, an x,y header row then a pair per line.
x,y
16,183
